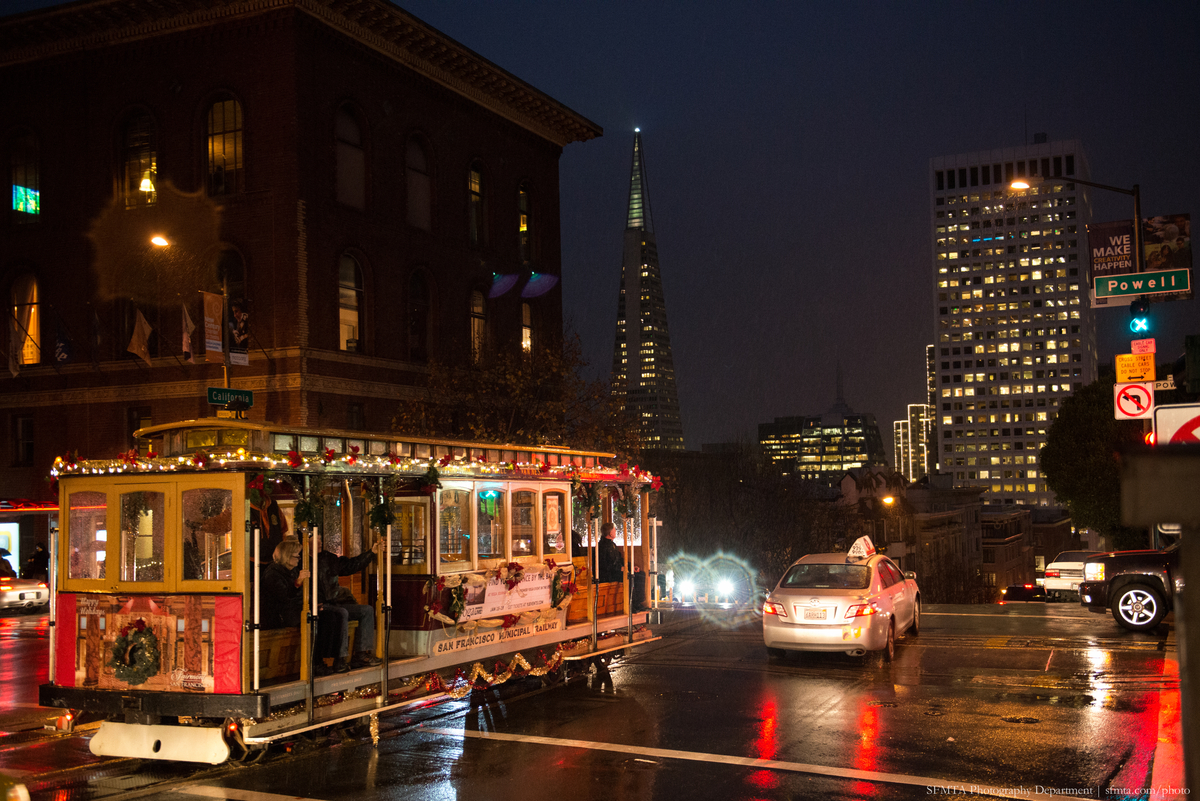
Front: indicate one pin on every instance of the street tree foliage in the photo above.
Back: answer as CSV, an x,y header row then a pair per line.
x,y
738,503
536,398
1081,461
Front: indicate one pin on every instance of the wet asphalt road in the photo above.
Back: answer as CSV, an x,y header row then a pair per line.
x,y
1020,699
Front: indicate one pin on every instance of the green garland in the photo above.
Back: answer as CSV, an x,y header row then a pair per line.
x,y
135,655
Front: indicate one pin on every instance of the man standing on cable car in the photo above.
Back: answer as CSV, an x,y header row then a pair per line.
x,y
339,599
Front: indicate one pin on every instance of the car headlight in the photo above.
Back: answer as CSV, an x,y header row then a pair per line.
x,y
1093,571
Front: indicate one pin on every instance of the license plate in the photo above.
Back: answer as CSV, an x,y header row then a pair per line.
x,y
816,614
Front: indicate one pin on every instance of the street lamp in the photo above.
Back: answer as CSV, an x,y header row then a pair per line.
x,y
1028,183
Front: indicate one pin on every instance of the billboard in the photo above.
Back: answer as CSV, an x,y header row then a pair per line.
x,y
1166,245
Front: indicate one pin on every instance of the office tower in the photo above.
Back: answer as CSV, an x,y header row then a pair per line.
x,y
643,374
1013,331
911,441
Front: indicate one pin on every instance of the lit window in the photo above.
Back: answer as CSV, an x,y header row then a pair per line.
x,y
141,161
526,328
349,303
26,178
475,207
225,147
25,325
478,326
524,225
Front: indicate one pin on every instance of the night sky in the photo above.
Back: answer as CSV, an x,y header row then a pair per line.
x,y
787,146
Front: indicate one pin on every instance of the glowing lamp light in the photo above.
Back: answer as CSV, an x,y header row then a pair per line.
x,y
147,184
725,588
159,240
1021,184
889,500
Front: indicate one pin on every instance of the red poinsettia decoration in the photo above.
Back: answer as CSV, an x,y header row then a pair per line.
x,y
200,459
655,483
129,457
353,455
445,460
295,459
515,572
544,467
510,621
434,608
137,625
393,458
624,468
152,455
550,563
328,456
257,483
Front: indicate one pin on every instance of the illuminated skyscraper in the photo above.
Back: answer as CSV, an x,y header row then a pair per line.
x,y
643,374
1014,334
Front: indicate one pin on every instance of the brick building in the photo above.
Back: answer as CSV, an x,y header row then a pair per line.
x,y
372,193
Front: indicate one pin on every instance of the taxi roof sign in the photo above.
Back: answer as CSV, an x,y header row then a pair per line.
x,y
861,549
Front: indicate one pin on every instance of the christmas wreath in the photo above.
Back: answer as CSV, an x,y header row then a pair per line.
x,y
135,653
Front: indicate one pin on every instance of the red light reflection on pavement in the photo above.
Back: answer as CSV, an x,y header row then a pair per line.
x,y
766,744
24,659
866,754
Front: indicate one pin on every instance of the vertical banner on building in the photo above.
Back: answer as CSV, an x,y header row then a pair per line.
x,y
1167,245
239,333
214,313
1110,250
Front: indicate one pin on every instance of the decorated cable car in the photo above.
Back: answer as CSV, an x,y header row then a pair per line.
x,y
475,563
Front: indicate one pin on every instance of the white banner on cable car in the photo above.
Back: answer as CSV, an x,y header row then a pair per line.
x,y
481,637
495,599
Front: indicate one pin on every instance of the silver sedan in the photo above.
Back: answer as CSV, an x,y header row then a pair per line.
x,y
18,593
842,602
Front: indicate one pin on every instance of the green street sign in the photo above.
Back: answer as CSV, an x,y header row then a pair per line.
x,y
219,396
1155,283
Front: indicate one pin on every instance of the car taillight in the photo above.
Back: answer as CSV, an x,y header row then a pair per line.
x,y
772,608
1051,574
861,610
1093,571
5,587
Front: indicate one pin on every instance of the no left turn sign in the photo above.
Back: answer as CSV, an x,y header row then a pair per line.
x,y
1133,401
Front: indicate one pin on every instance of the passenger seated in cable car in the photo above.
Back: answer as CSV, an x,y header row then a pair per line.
x,y
341,601
282,601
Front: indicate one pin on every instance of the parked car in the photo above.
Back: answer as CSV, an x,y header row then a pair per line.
x,y
1022,593
853,602
17,593
1062,576
12,788
1139,587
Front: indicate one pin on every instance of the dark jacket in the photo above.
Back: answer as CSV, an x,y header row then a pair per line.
x,y
610,560
281,599
330,566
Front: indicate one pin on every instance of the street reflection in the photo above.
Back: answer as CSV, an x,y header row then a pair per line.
x,y
866,753
766,744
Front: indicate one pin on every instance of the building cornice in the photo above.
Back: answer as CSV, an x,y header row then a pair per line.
x,y
377,24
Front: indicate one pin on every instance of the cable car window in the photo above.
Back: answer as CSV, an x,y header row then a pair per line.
x,y
142,535
89,535
201,439
454,528
207,534
522,523
408,534
491,524
554,541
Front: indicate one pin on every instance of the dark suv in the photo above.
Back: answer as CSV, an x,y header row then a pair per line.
x,y
1138,586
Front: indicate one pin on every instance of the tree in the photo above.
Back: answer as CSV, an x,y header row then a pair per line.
x,y
519,397
1081,461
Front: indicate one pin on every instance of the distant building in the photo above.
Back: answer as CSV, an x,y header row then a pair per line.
x,y
1013,330
825,446
949,537
643,372
1007,547
911,441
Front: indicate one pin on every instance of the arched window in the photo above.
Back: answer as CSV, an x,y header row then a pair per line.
x,y
420,202
225,154
25,327
350,294
140,154
476,221
418,317
524,225
526,328
478,326
351,160
26,177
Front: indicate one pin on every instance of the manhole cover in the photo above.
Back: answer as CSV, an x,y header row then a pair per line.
x,y
1021,720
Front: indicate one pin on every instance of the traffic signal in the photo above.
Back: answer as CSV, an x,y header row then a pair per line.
x,y
1139,322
